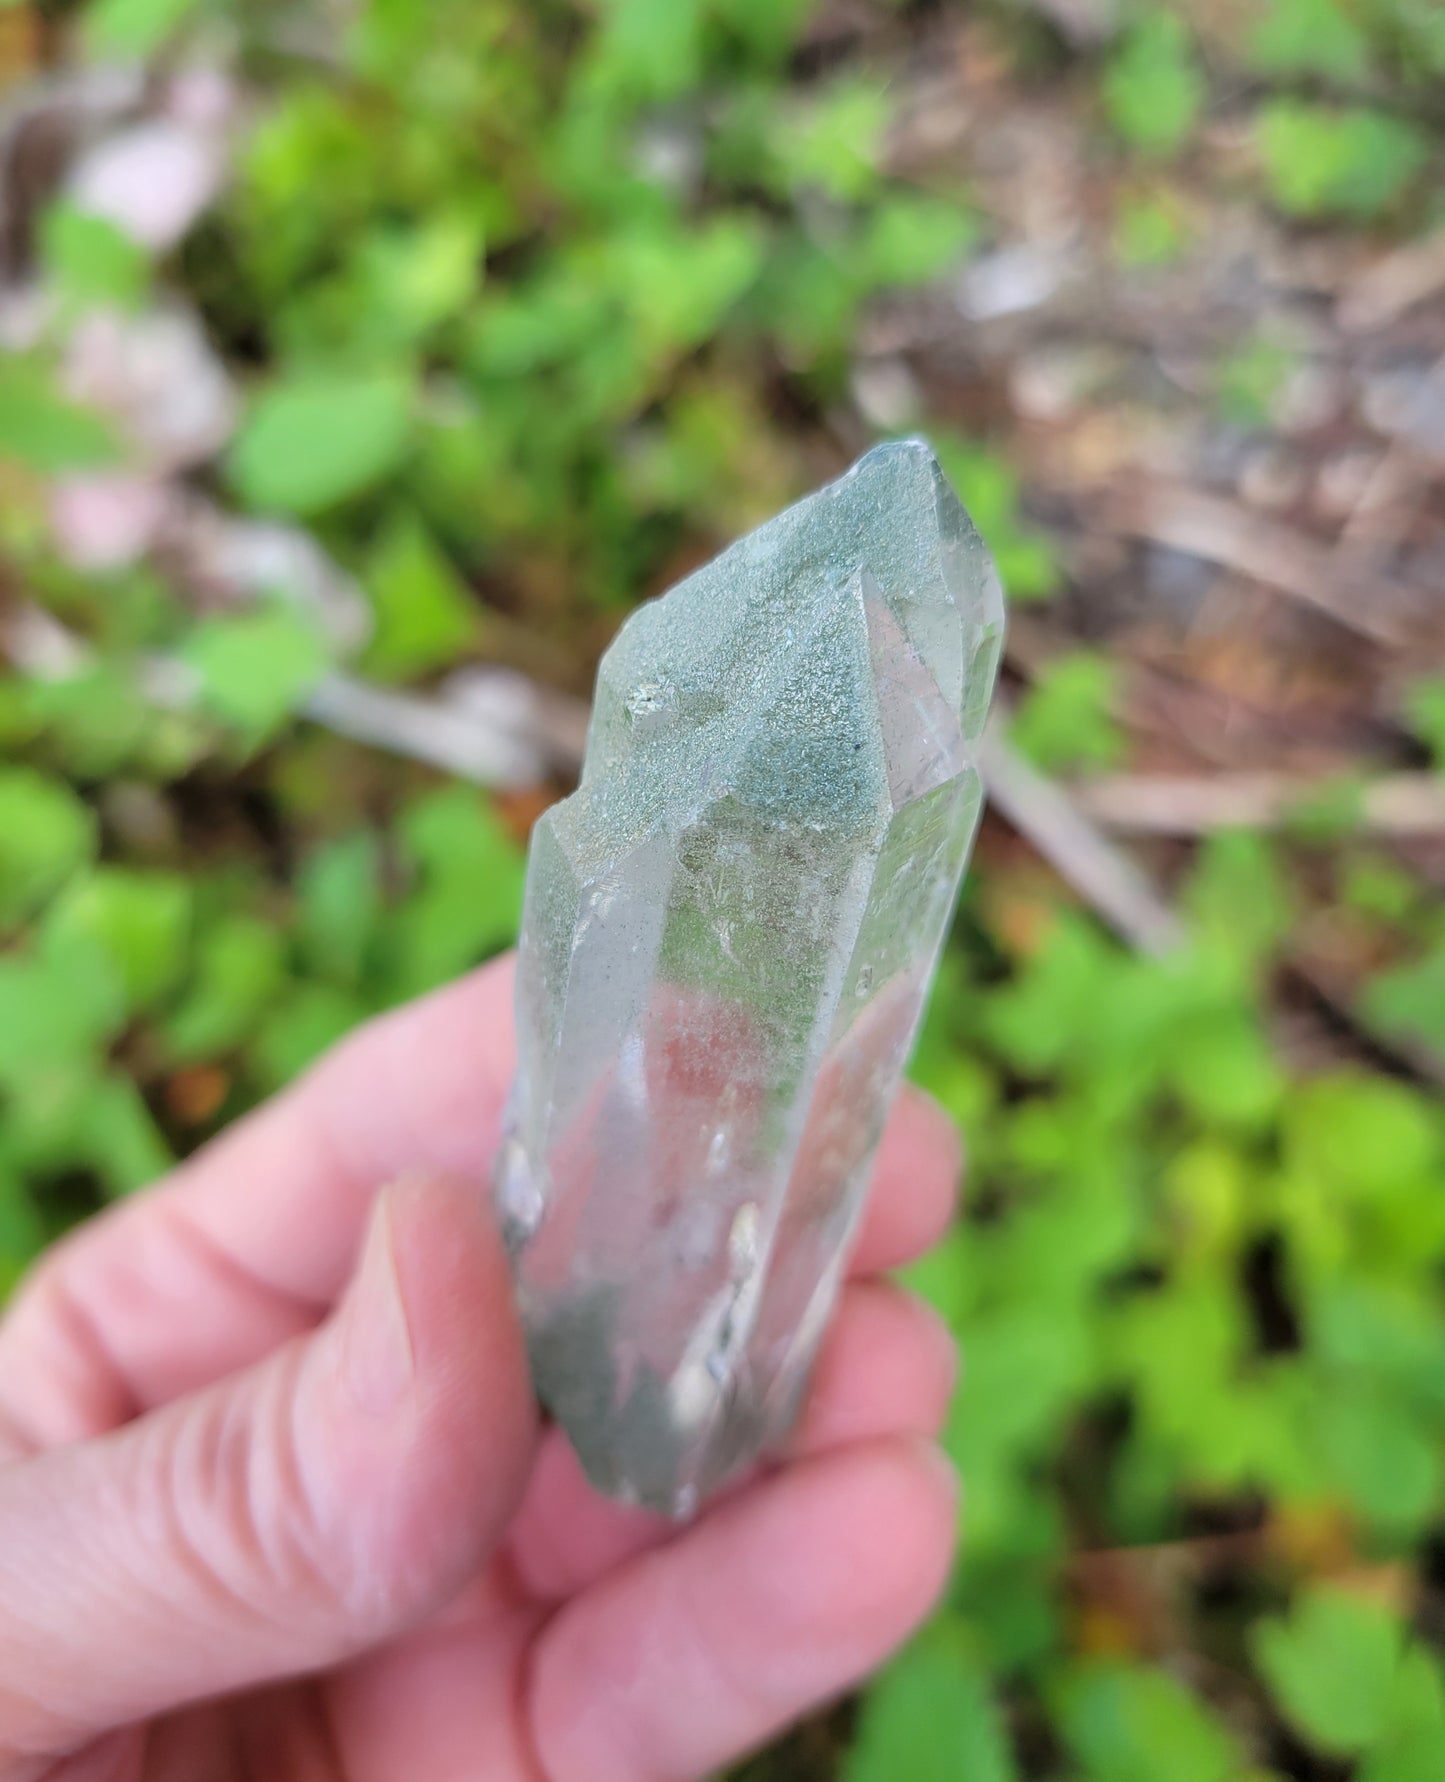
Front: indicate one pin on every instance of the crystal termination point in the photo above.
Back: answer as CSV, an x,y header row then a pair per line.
x,y
729,933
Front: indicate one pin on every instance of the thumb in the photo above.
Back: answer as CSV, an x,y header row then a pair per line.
x,y
286,1518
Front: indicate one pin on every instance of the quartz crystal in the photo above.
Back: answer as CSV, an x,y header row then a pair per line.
x,y
729,933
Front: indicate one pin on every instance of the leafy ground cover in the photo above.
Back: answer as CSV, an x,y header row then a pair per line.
x,y
365,363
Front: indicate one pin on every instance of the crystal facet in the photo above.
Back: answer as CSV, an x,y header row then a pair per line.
x,y
729,932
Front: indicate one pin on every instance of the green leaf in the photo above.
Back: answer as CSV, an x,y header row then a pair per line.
x,y
808,297
1238,898
97,720
931,1717
1408,1001
1065,721
314,440
1388,1336
43,431
1418,27
676,286
135,926
912,237
1124,1723
1332,1666
1425,714
1221,1066
1179,1349
1049,1009
339,887
414,279
52,1022
1309,37
1321,161
941,1276
255,670
1251,377
772,28
425,615
239,970
1377,886
1026,1364
651,48
46,832
119,1138
22,1230
135,29
1385,1461
835,143
1412,1755
90,260
1369,1138
1207,1186
469,892
306,1022
1150,231
1414,1736
1153,88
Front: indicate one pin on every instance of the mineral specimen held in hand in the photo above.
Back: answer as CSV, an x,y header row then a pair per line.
x,y
729,932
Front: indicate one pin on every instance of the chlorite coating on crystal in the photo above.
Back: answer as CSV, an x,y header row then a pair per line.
x,y
729,933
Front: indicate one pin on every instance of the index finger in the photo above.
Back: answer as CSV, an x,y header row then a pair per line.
x,y
252,1240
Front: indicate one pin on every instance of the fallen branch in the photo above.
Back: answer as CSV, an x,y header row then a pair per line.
x,y
489,725
1167,804
1075,847
1387,290
1223,532
1182,1558
508,740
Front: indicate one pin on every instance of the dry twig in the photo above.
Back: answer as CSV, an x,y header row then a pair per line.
x,y
1075,847
497,730
1219,531
1387,290
1170,804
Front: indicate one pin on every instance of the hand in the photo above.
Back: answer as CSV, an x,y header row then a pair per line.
x,y
275,1503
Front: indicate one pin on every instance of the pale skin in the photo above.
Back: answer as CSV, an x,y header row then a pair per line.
x,y
276,1503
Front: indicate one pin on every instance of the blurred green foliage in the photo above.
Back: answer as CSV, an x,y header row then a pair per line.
x,y
1321,159
1153,89
534,306
1150,230
1064,721
1251,377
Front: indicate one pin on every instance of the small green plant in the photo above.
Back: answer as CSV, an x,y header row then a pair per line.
x,y
1334,1664
1322,161
1149,231
315,440
1251,377
1153,89
135,29
932,1717
1066,720
1320,37
1425,714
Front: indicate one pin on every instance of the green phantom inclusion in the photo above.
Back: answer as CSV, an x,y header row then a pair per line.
x,y
729,933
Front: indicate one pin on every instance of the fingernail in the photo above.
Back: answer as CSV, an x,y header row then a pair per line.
x,y
377,1358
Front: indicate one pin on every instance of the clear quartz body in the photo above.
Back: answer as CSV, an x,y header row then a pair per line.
x,y
729,933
